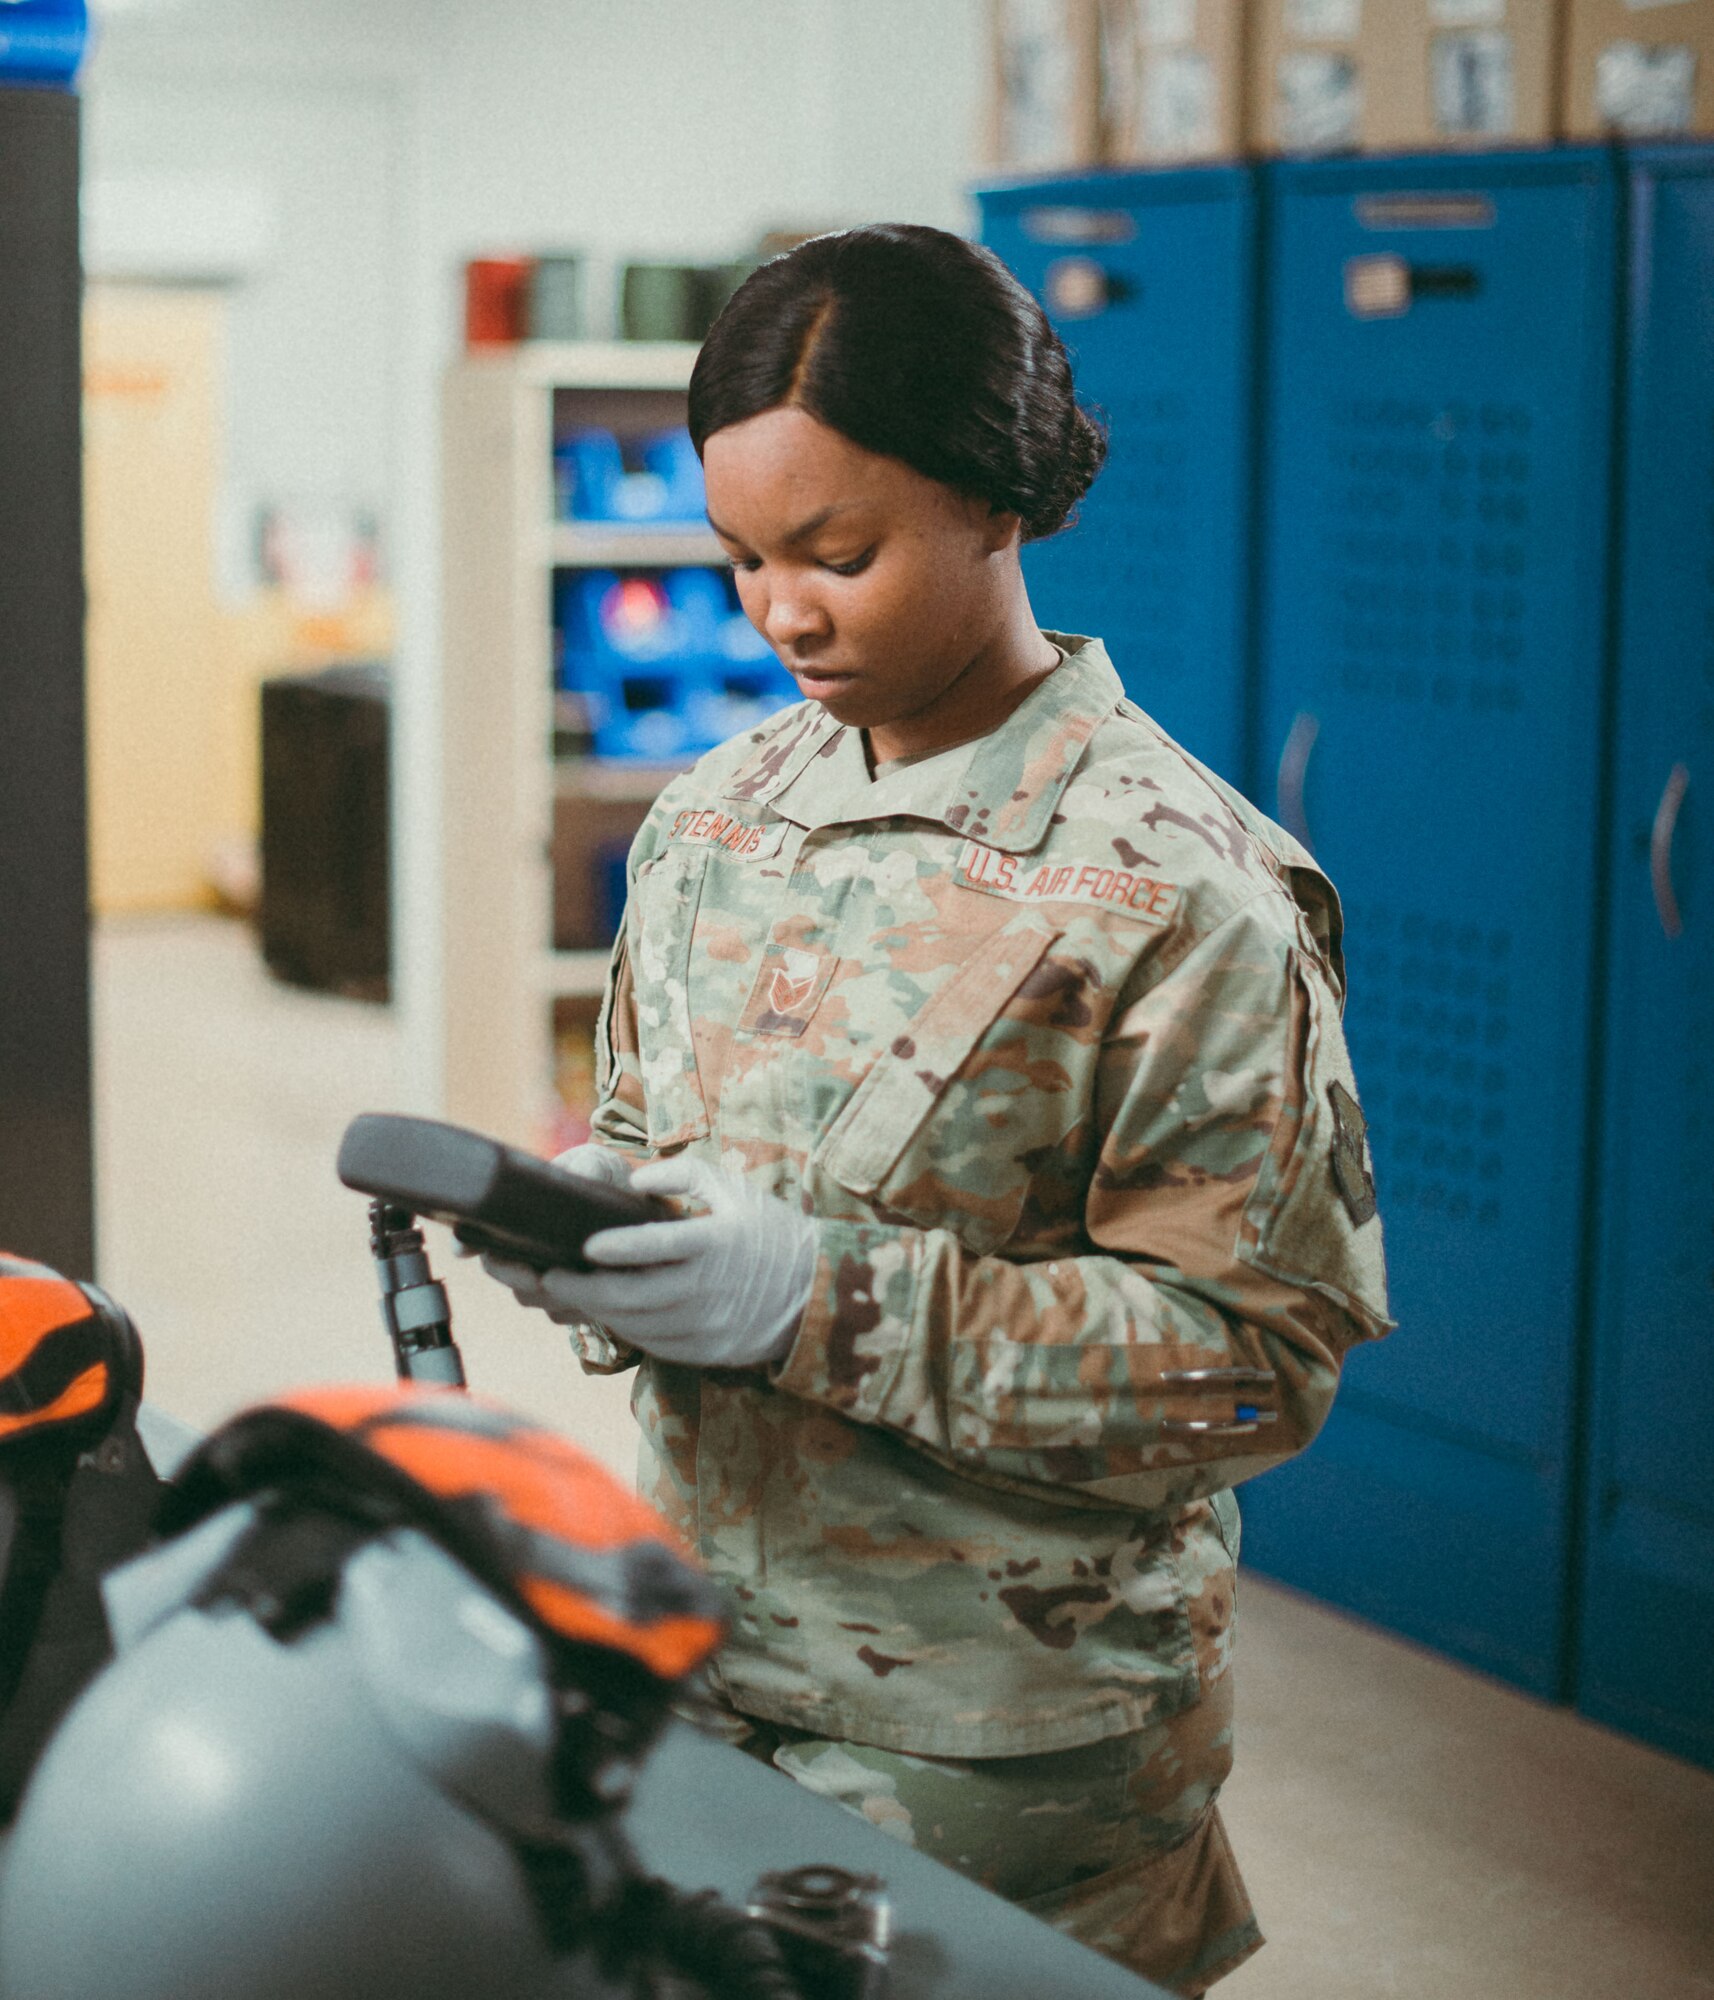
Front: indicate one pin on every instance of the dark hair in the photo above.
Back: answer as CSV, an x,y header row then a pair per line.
x,y
915,344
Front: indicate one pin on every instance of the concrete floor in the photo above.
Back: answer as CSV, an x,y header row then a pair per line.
x,y
1407,1828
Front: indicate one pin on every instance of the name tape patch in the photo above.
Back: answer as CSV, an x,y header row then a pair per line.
x,y
1026,881
739,837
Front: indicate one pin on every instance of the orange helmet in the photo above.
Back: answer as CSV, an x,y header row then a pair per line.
x,y
542,1524
68,1355
77,1493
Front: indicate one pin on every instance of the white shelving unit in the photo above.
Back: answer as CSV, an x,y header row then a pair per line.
x,y
501,547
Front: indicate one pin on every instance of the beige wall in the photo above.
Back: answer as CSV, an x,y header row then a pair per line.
x,y
174,674
161,711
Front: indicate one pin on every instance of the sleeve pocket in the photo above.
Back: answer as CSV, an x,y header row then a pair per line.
x,y
1304,1222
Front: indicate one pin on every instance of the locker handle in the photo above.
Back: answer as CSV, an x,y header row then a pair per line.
x,y
1080,287
1445,281
1660,849
1383,286
1291,783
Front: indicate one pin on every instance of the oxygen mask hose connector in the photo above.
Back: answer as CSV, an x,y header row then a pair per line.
x,y
414,1306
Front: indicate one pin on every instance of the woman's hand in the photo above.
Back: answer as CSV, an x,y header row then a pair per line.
x,y
595,1163
724,1289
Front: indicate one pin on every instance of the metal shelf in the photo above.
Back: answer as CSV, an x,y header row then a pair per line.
x,y
612,779
587,364
500,411
616,545
574,975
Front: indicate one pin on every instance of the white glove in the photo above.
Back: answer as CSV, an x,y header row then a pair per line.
x,y
721,1290
595,1163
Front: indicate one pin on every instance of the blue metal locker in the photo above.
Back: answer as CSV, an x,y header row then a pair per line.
x,y
1149,278
1438,438
1646,1656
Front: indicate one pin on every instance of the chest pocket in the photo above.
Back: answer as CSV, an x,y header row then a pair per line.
x,y
921,1141
661,922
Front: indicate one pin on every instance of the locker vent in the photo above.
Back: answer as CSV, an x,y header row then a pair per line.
x,y
1135,539
1429,1025
1705,709
1689,1261
1426,552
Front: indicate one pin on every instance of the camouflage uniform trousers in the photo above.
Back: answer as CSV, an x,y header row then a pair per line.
x,y
1118,1843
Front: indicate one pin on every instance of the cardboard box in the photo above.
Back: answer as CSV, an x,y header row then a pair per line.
x,y
1643,68
1172,80
1329,76
1044,105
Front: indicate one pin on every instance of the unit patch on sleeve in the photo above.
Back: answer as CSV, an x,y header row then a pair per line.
x,y
1351,1175
1022,880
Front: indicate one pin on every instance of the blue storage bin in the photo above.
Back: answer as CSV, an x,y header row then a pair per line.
x,y
666,663
42,41
594,482
587,468
611,887
671,458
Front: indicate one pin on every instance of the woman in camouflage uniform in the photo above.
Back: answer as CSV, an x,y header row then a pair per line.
x,y
999,1042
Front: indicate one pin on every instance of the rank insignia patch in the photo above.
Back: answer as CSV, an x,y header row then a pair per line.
x,y
1351,1175
787,991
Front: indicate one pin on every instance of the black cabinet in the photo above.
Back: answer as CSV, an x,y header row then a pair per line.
x,y
46,1180
324,915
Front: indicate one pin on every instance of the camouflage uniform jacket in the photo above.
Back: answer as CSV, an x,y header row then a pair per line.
x,y
1045,1035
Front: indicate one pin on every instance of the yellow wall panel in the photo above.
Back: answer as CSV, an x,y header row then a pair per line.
x,y
160,723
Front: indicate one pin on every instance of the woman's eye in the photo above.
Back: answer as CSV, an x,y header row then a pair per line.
x,y
853,568
744,564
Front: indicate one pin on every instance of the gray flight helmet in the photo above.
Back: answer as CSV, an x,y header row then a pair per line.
x,y
224,1815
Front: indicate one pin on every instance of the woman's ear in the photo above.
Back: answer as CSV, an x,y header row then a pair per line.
x,y
1002,529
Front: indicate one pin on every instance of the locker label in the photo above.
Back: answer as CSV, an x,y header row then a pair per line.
x,y
1425,211
1078,225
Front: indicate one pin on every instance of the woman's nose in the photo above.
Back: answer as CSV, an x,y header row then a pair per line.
x,y
794,616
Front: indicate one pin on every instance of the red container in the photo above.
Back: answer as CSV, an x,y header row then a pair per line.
x,y
496,300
